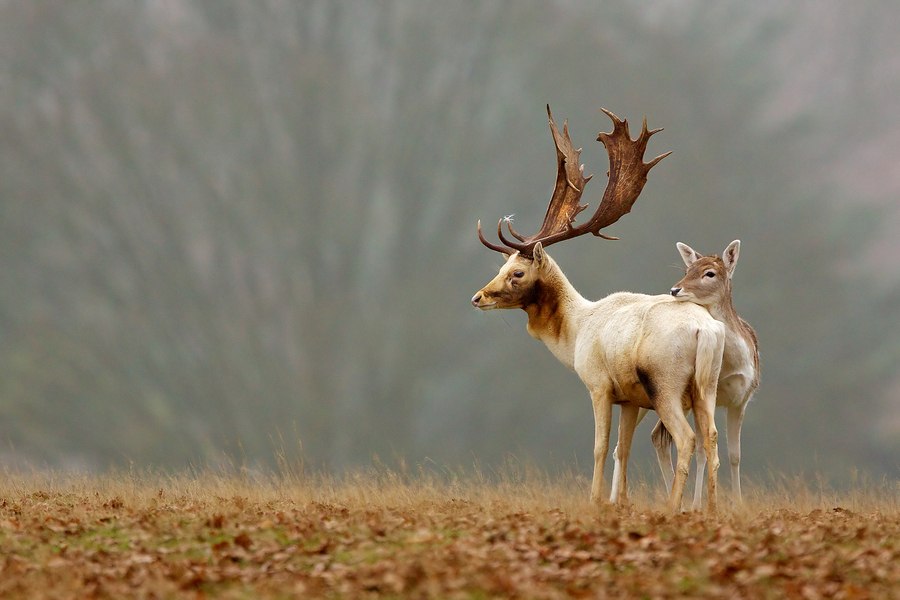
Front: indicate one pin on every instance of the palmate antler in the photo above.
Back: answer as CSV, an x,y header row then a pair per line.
x,y
627,176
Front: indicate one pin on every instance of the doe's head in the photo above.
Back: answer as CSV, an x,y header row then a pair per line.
x,y
515,285
707,280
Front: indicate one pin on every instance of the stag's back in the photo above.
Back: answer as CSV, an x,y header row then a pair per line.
x,y
644,345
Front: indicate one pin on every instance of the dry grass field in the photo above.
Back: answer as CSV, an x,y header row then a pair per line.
x,y
385,533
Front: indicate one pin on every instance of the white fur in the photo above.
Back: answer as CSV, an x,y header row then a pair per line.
x,y
607,342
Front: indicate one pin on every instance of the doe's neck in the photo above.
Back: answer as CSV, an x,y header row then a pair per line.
x,y
723,310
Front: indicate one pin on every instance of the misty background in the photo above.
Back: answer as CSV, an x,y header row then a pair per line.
x,y
247,230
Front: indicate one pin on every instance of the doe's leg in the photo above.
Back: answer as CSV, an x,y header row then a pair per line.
x,y
735,418
662,442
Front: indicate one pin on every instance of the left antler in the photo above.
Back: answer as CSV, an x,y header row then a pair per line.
x,y
627,176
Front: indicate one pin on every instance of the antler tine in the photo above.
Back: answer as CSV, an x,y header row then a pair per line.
x,y
490,245
646,135
514,233
617,123
508,243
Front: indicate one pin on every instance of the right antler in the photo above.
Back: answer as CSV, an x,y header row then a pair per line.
x,y
627,176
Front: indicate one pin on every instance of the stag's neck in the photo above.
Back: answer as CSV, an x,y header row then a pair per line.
x,y
554,311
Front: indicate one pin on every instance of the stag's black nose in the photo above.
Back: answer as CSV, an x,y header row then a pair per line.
x,y
675,291
476,299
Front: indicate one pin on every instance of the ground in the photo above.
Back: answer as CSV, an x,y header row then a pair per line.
x,y
387,534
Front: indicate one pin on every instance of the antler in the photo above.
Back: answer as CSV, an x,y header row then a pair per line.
x,y
627,176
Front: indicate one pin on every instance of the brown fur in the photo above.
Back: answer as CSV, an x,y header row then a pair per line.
x,y
542,307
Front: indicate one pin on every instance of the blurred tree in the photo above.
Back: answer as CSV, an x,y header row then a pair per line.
x,y
224,224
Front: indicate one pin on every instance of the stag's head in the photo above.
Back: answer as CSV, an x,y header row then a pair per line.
x,y
518,282
526,261
707,280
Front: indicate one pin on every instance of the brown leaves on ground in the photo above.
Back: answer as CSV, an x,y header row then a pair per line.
x,y
356,540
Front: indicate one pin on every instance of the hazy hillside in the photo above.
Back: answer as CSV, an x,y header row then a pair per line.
x,y
228,228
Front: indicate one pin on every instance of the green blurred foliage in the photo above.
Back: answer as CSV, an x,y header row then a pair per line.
x,y
246,230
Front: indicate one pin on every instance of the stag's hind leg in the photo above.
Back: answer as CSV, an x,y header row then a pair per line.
x,y
707,455
701,466
672,417
710,346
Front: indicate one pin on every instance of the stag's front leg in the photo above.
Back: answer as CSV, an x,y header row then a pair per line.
x,y
628,418
602,402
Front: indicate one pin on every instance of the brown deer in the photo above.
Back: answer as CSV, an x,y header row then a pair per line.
x,y
634,350
707,282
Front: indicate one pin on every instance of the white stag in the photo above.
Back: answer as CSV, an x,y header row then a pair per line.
x,y
707,282
634,350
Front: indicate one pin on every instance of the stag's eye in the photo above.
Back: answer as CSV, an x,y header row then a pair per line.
x,y
709,274
518,274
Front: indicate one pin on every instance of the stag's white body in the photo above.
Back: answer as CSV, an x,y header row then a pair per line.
x,y
634,350
707,283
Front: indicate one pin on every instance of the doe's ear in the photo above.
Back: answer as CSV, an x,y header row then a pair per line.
x,y
537,253
688,254
730,256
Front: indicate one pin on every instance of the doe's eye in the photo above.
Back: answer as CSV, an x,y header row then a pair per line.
x,y
518,274
709,274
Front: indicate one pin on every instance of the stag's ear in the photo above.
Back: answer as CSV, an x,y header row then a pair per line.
x,y
537,253
688,254
730,256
